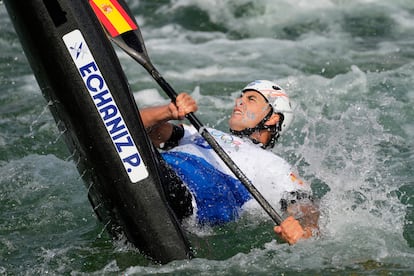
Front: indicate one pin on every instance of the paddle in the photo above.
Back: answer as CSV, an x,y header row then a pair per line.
x,y
122,29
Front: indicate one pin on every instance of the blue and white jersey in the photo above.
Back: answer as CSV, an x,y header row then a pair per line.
x,y
219,196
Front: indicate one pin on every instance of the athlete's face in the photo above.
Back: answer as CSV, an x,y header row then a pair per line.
x,y
250,108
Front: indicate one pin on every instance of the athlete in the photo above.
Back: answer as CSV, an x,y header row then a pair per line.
x,y
260,115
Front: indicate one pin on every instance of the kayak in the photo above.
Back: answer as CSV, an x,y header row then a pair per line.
x,y
80,76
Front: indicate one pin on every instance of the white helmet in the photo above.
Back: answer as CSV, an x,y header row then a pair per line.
x,y
276,97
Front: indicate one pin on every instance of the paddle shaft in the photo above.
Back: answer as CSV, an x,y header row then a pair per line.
x,y
133,44
210,139
219,150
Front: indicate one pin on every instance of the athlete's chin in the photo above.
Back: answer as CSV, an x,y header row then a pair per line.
x,y
234,124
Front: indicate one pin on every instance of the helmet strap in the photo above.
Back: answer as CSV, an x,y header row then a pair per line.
x,y
276,129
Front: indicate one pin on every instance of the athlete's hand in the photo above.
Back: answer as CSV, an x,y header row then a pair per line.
x,y
184,104
291,231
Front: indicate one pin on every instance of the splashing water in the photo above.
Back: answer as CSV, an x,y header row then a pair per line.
x,y
348,67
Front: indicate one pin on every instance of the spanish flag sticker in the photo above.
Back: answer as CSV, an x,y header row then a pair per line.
x,y
113,16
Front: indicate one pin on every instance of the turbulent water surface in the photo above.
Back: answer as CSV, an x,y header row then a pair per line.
x,y
349,68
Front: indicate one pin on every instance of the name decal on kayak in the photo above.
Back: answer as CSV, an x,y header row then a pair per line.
x,y
106,106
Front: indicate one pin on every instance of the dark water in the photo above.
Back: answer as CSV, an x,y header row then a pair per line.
x,y
349,68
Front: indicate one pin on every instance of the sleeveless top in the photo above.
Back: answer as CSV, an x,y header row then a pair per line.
x,y
219,196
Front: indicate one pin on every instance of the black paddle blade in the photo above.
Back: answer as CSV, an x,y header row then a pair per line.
x,y
122,28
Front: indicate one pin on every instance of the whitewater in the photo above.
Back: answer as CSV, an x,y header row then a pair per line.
x,y
348,67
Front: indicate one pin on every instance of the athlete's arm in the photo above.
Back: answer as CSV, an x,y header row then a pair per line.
x,y
152,116
155,119
302,222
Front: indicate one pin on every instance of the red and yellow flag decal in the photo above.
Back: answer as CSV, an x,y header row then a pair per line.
x,y
113,16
